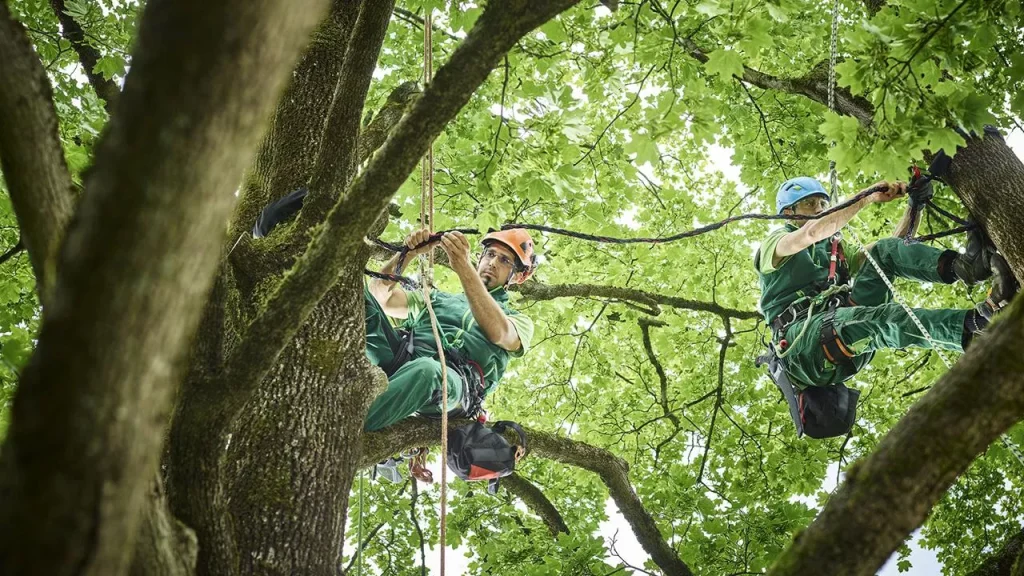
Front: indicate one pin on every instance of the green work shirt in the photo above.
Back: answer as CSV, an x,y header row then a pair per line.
x,y
459,329
797,276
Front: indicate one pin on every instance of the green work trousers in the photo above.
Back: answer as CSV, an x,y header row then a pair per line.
x,y
416,386
874,322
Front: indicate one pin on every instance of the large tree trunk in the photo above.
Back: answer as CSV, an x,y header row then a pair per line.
x,y
989,178
91,406
294,455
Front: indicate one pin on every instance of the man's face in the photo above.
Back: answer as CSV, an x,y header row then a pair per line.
x,y
810,206
496,264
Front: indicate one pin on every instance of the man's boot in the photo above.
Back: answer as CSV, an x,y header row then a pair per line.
x,y
1004,288
975,264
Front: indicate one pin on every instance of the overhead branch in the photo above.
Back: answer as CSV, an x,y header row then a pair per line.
x,y
667,412
1002,562
537,291
140,259
335,165
340,238
88,55
814,84
535,499
31,155
612,470
889,494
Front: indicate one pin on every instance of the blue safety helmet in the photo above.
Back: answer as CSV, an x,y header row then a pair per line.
x,y
795,190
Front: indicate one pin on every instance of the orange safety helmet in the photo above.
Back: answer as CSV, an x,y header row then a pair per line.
x,y
519,242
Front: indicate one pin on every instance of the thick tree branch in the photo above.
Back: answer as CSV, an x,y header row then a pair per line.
x,y
335,165
31,155
95,396
341,235
535,499
538,291
377,131
87,55
1001,563
284,161
612,470
889,494
814,84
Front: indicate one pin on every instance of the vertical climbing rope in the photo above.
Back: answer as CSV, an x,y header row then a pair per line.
x,y
359,541
427,273
833,195
833,56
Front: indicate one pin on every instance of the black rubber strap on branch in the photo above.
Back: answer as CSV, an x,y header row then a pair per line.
x,y
947,214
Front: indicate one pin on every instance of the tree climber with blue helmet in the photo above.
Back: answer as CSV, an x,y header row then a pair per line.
x,y
828,318
479,330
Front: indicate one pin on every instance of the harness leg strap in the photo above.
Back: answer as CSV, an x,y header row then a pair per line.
x,y
835,350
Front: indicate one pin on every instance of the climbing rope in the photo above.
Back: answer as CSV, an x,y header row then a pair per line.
x,y
359,541
427,272
833,55
881,273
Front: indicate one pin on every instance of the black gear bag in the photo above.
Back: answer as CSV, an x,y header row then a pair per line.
x,y
817,411
476,452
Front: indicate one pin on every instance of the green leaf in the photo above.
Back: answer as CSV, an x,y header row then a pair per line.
x,y
110,66
725,63
711,8
976,112
554,31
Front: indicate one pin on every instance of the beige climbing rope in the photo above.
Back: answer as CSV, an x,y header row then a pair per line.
x,y
427,273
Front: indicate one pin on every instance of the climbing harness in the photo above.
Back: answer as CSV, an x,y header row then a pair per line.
x,y
841,401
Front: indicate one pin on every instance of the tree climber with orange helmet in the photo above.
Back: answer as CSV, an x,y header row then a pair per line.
x,y
479,330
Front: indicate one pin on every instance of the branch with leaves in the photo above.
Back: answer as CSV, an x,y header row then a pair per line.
x,y
31,153
612,470
538,291
88,55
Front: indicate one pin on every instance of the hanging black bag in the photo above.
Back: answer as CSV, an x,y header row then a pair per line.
x,y
476,452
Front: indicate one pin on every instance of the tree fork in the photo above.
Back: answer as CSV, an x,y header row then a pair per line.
x,y
95,395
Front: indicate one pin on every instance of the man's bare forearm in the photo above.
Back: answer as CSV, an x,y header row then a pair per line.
x,y
381,289
486,312
823,228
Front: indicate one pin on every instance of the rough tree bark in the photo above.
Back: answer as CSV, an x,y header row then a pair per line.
x,y
289,398
90,408
31,154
